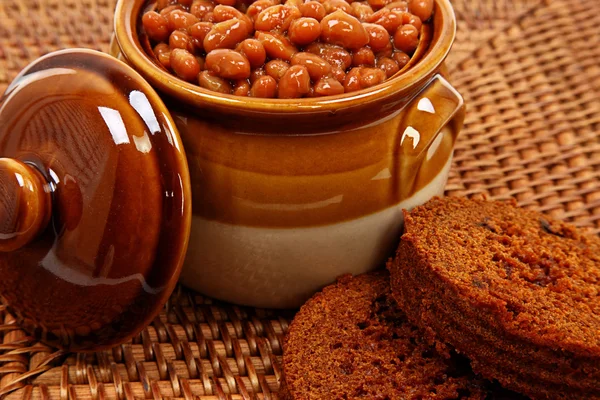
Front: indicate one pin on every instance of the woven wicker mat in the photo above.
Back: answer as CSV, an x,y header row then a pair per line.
x,y
530,73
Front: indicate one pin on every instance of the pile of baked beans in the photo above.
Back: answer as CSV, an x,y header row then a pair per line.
x,y
301,48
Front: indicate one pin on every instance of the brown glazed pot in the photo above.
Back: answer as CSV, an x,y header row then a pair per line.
x,y
289,194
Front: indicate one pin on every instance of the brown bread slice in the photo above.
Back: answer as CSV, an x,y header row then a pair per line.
x,y
510,289
352,342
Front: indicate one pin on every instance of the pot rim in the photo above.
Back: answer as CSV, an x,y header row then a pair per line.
x,y
126,34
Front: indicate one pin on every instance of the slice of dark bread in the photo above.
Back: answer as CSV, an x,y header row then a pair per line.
x,y
351,341
515,292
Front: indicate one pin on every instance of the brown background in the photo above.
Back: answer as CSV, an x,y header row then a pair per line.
x,y
530,73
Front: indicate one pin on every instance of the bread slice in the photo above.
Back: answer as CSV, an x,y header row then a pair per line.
x,y
350,341
515,292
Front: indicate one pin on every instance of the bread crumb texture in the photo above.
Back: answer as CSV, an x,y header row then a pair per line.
x,y
351,341
516,292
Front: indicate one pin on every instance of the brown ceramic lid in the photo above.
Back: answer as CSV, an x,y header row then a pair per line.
x,y
94,201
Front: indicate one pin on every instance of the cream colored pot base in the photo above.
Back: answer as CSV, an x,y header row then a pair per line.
x,y
282,268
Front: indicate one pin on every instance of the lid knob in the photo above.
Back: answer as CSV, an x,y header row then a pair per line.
x,y
25,204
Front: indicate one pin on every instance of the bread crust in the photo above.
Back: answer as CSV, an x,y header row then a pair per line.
x,y
351,341
514,291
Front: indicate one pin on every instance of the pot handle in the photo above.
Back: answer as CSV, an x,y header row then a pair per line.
x,y
423,121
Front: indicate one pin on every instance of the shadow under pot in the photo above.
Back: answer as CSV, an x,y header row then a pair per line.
x,y
287,195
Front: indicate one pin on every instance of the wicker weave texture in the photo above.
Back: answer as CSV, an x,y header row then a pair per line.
x,y
530,73
194,348
533,121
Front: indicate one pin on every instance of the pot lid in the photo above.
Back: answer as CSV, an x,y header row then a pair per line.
x,y
95,203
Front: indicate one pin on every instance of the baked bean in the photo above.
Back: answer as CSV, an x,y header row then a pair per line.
x,y
361,11
371,77
328,87
401,58
241,88
406,38
254,52
363,56
315,48
294,3
312,9
377,4
410,19
387,65
264,87
294,83
201,7
352,81
390,20
333,5
223,13
379,38
277,46
185,3
163,54
304,30
387,51
315,65
362,77
343,29
334,55
257,73
401,6
209,17
156,26
276,18
226,2
181,20
276,69
225,35
258,6
421,8
209,81
181,40
228,64
198,32
338,73
161,48
184,64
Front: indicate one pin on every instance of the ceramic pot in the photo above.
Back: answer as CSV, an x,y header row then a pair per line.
x,y
289,194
